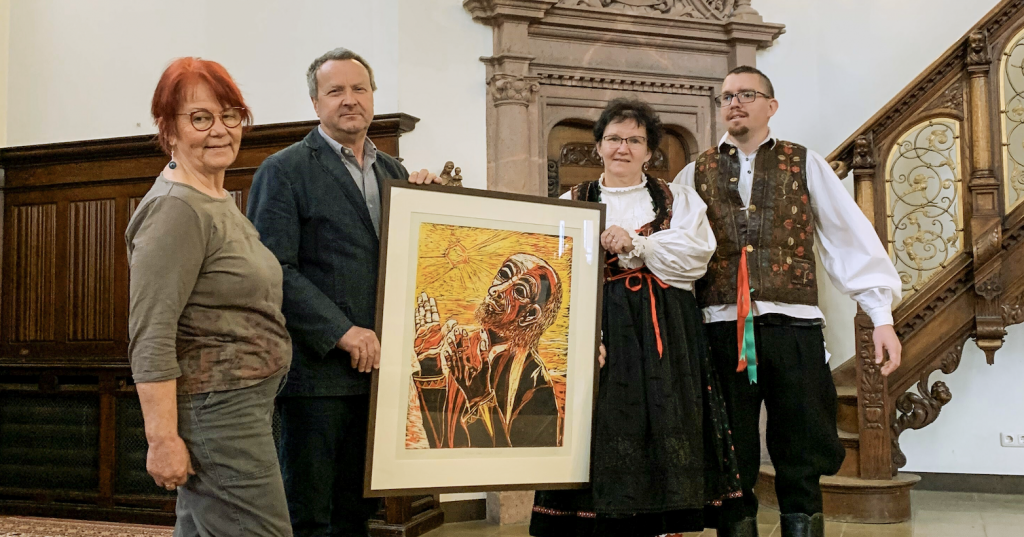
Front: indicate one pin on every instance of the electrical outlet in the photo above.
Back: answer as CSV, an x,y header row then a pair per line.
x,y
1011,440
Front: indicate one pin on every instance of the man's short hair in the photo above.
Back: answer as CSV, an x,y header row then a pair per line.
x,y
746,69
340,53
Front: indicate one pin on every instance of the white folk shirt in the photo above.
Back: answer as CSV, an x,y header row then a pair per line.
x,y
679,255
850,251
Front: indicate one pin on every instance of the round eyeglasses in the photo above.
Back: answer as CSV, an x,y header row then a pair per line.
x,y
202,120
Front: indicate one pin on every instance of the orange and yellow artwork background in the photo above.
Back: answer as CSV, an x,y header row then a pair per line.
x,y
455,266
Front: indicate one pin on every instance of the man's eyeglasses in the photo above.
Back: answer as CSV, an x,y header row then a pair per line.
x,y
744,97
202,120
634,142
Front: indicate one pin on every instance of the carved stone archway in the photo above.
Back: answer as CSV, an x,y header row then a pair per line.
x,y
562,59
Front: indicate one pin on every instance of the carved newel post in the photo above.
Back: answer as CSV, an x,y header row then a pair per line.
x,y
872,387
986,220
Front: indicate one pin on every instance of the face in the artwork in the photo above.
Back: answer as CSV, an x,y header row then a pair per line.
x,y
744,119
624,159
523,299
344,100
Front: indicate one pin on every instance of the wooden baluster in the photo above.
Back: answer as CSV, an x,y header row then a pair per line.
x,y
986,214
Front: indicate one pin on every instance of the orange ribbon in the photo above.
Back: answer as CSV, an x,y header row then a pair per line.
x,y
634,282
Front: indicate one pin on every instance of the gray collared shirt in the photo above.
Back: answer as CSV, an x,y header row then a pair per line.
x,y
364,177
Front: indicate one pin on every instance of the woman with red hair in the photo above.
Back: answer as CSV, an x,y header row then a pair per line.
x,y
208,348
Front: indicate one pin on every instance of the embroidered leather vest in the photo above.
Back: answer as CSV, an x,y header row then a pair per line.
x,y
661,198
777,229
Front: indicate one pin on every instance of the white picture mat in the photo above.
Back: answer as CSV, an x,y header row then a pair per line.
x,y
394,467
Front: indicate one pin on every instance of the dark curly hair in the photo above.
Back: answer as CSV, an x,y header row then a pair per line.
x,y
624,108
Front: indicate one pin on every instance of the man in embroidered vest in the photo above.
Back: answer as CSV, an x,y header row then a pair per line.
x,y
769,201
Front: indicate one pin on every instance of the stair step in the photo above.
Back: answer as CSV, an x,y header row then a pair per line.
x,y
851,499
851,464
847,417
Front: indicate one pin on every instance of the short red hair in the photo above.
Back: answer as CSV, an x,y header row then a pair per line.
x,y
182,75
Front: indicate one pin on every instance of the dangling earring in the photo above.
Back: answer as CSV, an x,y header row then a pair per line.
x,y
173,164
647,165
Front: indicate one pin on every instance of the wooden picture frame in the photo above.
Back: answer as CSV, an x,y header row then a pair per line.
x,y
489,317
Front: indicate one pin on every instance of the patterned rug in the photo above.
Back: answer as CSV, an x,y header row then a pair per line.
x,y
16,526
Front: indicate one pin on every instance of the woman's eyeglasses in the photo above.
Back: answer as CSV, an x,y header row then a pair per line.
x,y
202,120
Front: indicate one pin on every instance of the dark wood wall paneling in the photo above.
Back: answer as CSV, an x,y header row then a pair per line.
x,y
66,207
71,436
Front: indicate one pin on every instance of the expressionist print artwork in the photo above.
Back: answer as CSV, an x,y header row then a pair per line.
x,y
488,315
491,338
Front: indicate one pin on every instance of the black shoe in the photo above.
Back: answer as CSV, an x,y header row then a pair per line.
x,y
745,527
801,525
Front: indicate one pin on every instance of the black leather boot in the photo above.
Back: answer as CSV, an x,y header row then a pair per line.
x,y
801,525
745,527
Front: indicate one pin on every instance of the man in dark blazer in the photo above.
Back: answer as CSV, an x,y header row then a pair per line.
x,y
317,206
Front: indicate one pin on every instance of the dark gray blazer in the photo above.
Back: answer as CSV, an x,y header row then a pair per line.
x,y
311,214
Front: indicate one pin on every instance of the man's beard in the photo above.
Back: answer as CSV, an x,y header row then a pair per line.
x,y
737,132
509,331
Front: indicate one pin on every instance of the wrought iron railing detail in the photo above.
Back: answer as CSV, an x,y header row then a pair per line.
x,y
1011,88
923,197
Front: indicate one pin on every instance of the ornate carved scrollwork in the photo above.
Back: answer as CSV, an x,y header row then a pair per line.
x,y
950,99
694,9
953,98
1013,311
582,154
990,288
988,245
511,89
871,391
918,410
553,183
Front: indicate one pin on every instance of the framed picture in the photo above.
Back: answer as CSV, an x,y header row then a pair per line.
x,y
488,313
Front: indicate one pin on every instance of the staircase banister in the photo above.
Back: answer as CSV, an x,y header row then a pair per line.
x,y
994,22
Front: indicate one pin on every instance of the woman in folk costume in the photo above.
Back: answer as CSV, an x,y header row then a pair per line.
x,y
661,449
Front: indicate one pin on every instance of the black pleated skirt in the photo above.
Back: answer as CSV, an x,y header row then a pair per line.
x,y
661,448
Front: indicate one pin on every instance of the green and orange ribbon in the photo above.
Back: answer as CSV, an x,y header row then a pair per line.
x,y
745,322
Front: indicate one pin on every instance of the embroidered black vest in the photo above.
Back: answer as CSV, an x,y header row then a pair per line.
x,y
777,230
661,197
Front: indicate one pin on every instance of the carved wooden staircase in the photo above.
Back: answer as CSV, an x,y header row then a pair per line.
x,y
939,173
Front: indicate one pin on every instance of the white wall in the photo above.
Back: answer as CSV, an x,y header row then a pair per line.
x,y
441,81
987,400
83,70
837,64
